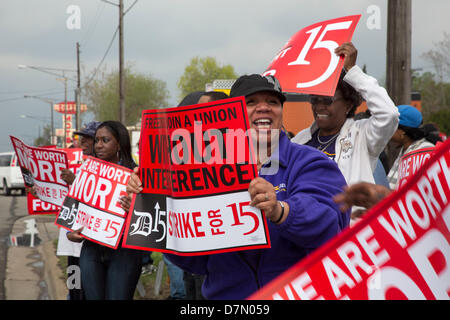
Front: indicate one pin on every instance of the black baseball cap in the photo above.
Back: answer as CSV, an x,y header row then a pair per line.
x,y
250,84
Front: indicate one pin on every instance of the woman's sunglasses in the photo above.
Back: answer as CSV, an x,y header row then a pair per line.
x,y
315,100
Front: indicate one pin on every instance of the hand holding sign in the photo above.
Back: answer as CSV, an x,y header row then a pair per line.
x,y
264,198
349,52
134,184
309,63
75,236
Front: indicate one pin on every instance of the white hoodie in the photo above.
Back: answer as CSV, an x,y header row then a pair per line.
x,y
360,143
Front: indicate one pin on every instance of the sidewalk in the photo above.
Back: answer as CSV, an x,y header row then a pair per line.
x,y
32,273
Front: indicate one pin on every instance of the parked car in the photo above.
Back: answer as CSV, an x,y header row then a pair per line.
x,y
10,174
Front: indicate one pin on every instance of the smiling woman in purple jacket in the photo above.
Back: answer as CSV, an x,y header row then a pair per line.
x,y
295,188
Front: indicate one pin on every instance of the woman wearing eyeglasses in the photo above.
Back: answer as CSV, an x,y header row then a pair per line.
x,y
354,145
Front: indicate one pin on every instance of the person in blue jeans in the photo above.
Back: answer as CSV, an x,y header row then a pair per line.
x,y
109,274
177,290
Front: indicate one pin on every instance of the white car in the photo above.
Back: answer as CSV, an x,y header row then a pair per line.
x,y
10,174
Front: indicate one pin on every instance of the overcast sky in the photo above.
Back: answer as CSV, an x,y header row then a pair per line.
x,y
162,36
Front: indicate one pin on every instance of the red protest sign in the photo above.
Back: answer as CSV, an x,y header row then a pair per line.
x,y
411,162
93,202
37,206
307,63
74,155
399,250
196,163
41,168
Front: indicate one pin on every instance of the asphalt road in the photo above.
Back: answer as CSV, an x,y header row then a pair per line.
x,y
11,208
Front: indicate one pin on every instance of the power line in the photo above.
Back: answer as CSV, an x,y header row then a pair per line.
x,y
11,99
28,91
129,8
38,95
93,24
104,56
54,92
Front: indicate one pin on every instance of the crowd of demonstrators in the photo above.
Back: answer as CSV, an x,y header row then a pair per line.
x,y
108,273
354,145
301,214
410,136
306,201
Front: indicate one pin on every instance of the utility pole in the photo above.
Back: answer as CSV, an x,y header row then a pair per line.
x,y
121,71
122,117
78,92
65,112
398,62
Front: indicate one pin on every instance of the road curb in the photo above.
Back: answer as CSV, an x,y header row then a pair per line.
x,y
53,274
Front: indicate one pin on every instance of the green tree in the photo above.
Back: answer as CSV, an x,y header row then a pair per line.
x,y
141,92
435,95
201,71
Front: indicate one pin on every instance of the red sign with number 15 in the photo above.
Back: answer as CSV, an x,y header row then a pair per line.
x,y
307,63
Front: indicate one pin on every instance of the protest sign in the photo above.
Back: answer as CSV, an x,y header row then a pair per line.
x,y
74,156
93,202
307,63
411,162
41,168
37,206
196,163
400,249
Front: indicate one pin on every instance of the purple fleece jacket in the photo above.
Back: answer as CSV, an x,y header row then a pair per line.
x,y
307,180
